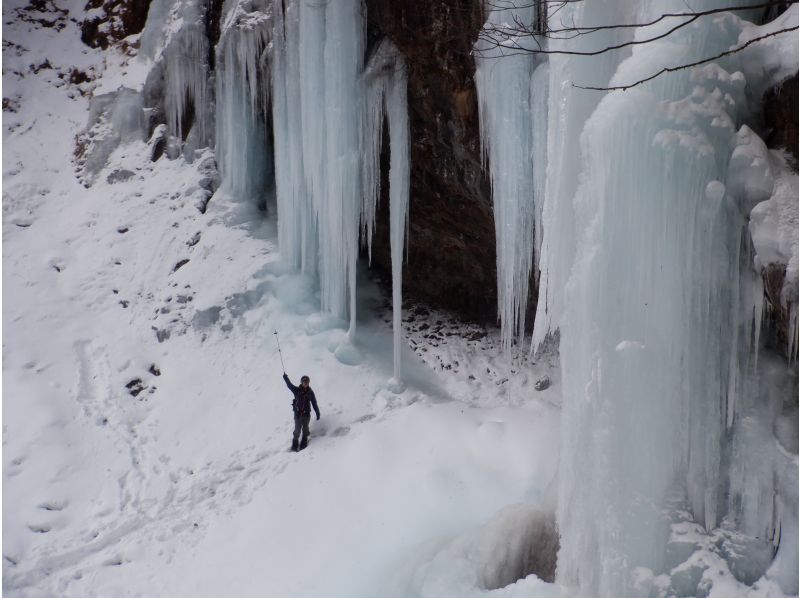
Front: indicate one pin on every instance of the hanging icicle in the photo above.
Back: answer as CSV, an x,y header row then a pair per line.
x,y
244,155
386,89
510,143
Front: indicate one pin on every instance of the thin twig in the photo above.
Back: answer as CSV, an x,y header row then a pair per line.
x,y
672,69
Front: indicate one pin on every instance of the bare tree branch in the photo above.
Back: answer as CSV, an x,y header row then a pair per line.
x,y
672,69
502,37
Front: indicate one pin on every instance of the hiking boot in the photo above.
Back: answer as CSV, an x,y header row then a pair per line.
x,y
294,445
303,443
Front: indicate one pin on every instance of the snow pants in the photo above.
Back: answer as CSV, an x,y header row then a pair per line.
x,y
301,423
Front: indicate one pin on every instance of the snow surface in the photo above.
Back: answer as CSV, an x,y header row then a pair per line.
x,y
146,426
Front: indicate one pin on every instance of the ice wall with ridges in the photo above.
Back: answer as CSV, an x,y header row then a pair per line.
x,y
297,223
647,274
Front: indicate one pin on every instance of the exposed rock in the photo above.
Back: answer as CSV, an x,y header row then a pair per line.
x,y
209,175
135,386
194,240
119,176
44,13
118,19
781,118
451,244
542,383
776,311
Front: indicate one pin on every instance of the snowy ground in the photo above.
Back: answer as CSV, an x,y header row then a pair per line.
x,y
145,424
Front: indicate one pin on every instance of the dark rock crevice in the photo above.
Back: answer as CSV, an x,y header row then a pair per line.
x,y
781,116
780,111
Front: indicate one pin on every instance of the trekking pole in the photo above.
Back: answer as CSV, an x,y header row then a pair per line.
x,y
279,351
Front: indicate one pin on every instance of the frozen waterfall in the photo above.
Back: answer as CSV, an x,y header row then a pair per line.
x,y
637,213
647,272
305,60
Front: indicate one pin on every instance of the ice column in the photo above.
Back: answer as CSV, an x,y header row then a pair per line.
x,y
339,209
297,221
504,74
399,174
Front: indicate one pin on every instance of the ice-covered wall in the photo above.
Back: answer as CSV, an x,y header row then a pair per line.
x,y
647,272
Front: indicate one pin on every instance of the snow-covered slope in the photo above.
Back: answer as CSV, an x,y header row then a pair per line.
x,y
146,427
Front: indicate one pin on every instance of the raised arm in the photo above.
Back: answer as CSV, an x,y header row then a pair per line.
x,y
291,386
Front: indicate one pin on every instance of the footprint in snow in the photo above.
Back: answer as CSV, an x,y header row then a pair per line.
x,y
53,505
39,528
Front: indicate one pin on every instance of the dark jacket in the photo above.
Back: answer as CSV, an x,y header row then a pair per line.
x,y
304,399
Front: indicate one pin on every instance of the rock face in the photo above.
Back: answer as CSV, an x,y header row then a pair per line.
x,y
781,119
116,20
451,242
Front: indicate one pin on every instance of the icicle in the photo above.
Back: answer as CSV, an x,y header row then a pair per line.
x,y
385,95
243,145
186,72
376,77
503,77
399,174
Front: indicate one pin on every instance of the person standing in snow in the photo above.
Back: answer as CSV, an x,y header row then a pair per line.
x,y
304,400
